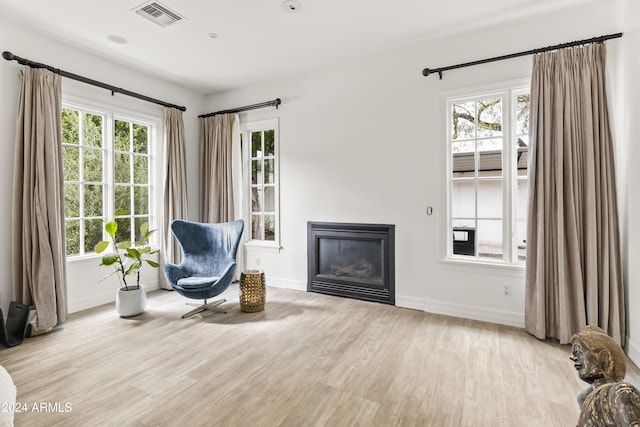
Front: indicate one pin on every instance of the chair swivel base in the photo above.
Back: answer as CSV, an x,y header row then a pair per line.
x,y
212,306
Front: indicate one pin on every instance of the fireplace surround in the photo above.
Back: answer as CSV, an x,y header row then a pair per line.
x,y
352,260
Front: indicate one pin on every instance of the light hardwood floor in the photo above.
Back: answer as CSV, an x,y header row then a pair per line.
x,y
307,360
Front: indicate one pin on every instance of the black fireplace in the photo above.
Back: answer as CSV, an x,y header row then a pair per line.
x,y
352,260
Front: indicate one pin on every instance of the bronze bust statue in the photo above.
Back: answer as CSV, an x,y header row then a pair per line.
x,y
600,361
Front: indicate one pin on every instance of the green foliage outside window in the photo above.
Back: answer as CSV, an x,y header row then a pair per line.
x,y
86,150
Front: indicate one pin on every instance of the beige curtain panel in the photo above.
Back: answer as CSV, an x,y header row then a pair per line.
x,y
573,273
39,271
216,168
175,184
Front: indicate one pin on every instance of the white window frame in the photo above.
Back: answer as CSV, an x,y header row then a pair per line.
x,y
247,129
110,113
509,91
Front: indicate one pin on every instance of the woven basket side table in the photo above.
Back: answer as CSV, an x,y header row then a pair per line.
x,y
252,291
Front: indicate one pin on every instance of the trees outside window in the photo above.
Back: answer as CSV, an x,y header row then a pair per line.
x,y
487,151
107,167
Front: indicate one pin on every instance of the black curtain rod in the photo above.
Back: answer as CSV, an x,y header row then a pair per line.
x,y
429,71
273,103
11,57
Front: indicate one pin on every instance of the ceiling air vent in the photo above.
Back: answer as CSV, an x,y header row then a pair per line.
x,y
158,13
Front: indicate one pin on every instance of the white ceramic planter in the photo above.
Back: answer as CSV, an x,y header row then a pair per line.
x,y
131,302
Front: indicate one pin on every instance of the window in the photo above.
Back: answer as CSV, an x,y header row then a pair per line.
x,y
107,168
487,151
261,160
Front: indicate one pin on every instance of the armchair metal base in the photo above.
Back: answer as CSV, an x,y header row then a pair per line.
x,y
212,306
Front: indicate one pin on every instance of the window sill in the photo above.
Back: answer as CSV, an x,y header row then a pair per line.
x,y
477,266
261,246
84,258
93,257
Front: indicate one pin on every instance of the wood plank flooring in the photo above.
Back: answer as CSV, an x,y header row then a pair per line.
x,y
307,360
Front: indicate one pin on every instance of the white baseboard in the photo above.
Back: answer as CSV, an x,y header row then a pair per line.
x,y
105,297
500,317
87,303
295,285
633,351
410,302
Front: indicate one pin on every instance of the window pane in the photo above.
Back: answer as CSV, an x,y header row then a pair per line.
x,y
461,147
72,236
490,198
522,160
256,199
140,170
490,117
464,159
92,165
463,199
463,117
256,144
70,126
256,227
140,139
122,168
269,144
71,200
269,199
464,223
522,199
92,234
93,200
141,200
464,237
256,172
139,221
121,132
522,114
522,133
71,159
269,227
269,168
521,240
122,199
489,237
522,212
490,157
92,130
124,229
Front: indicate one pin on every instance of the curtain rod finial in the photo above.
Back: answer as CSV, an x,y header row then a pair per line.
x,y
7,55
426,72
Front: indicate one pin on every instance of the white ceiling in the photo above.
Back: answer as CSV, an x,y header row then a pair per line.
x,y
258,40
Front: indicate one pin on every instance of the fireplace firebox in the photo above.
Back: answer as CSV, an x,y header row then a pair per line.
x,y
352,260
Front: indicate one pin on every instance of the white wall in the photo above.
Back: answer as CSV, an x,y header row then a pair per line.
x,y
362,142
629,12
84,291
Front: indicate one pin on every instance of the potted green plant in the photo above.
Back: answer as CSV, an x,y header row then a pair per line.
x,y
127,259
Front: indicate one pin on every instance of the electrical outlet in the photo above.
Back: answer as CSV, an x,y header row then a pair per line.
x,y
257,260
506,290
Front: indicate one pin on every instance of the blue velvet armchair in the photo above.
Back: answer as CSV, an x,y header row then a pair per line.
x,y
209,261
